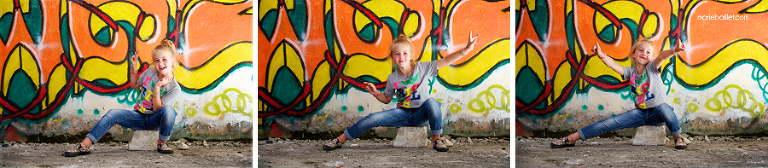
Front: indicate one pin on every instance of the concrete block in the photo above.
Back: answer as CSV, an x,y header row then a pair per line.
x,y
650,135
143,140
411,137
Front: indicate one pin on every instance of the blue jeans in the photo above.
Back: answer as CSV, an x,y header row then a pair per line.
x,y
428,112
634,118
163,120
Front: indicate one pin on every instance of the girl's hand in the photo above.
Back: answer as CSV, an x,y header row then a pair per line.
x,y
162,82
470,44
134,61
599,52
679,47
371,88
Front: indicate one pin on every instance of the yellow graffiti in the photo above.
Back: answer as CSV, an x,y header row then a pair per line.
x,y
363,64
693,108
471,71
383,9
58,120
6,6
229,56
742,98
20,59
223,104
190,111
527,55
454,108
323,117
707,72
487,101
628,10
123,11
285,55
95,67
760,7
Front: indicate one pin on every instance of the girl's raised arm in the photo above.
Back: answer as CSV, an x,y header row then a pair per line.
x,y
453,57
666,54
608,61
133,69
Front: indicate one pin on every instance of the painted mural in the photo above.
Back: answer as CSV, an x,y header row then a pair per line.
x,y
719,86
315,55
66,63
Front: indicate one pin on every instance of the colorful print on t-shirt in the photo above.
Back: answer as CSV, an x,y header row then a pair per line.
x,y
405,94
640,86
145,103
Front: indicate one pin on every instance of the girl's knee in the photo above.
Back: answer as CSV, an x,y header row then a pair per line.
x,y
432,101
374,116
113,112
666,107
167,111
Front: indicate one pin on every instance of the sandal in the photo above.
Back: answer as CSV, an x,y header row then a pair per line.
x,y
563,142
79,150
680,143
164,149
332,145
440,146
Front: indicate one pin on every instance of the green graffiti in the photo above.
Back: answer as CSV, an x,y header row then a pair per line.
x,y
600,107
759,75
584,107
360,109
742,98
24,89
528,86
79,112
343,108
431,81
477,105
129,98
95,112
289,87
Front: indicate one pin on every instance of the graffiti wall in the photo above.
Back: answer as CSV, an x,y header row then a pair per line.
x,y
66,63
717,87
315,55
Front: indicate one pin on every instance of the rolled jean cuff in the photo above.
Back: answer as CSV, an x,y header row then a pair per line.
x,y
676,133
437,132
346,133
93,138
581,135
165,138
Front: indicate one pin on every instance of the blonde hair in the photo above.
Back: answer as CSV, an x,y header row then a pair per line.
x,y
402,40
634,47
169,48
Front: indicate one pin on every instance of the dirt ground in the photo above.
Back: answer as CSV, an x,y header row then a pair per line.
x,y
210,154
381,153
619,152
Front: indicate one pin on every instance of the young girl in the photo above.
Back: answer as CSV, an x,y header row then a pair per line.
x,y
414,106
154,109
647,92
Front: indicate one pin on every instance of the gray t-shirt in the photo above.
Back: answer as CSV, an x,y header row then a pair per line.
x,y
412,89
647,89
147,80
